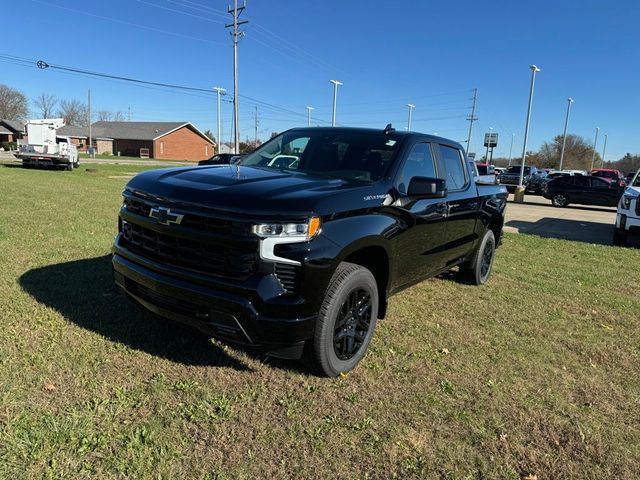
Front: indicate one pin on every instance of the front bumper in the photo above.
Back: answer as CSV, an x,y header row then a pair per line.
x,y
628,223
230,314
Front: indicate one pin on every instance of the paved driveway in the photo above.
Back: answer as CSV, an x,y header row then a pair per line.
x,y
577,222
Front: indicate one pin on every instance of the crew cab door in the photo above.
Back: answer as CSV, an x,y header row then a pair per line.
x,y
419,243
462,204
604,193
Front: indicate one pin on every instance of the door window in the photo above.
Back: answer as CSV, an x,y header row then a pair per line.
x,y
419,163
599,183
453,165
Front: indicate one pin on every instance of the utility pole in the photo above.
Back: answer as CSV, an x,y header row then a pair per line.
x,y
411,107
309,116
235,35
564,135
534,70
472,118
257,120
219,91
604,149
335,99
595,143
90,138
513,135
129,113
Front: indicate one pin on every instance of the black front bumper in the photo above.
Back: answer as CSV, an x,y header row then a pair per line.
x,y
223,314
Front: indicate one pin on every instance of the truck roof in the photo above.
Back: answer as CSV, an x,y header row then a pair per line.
x,y
397,133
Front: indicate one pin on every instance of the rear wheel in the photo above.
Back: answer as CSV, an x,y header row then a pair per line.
x,y
560,200
478,269
346,321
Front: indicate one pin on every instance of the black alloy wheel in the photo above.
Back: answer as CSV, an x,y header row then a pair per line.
x,y
353,324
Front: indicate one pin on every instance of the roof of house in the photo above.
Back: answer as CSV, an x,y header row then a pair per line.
x,y
128,130
73,131
15,125
4,131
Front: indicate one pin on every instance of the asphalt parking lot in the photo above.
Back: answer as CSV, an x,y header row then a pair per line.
x,y
536,216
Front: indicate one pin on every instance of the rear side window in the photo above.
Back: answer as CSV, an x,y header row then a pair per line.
x,y
419,163
453,167
599,183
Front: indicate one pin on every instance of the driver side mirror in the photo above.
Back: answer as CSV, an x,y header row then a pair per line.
x,y
427,187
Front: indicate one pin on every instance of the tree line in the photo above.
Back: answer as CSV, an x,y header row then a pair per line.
x,y
14,105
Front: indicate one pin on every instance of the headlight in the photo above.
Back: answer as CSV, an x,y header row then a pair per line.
x,y
301,231
625,203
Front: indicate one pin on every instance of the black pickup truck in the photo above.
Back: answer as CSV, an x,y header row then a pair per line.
x,y
297,249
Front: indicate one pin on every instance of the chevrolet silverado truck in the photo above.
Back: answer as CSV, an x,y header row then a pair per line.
x,y
628,215
297,249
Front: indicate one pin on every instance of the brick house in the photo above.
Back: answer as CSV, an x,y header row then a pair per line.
x,y
162,140
11,130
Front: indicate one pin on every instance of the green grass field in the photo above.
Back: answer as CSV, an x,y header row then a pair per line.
x,y
537,373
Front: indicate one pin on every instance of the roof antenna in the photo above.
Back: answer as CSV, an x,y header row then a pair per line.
x,y
389,129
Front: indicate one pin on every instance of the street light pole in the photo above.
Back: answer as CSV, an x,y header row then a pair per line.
x,y
604,149
309,116
411,107
564,135
335,99
595,143
219,91
513,135
534,70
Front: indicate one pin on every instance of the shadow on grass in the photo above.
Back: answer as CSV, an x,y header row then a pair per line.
x,y
83,291
566,229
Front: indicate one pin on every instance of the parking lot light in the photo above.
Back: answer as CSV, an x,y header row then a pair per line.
x,y
564,135
519,194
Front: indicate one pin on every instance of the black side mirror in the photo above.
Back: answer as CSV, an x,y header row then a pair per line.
x,y
427,187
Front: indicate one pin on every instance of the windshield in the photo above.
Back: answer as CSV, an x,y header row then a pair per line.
x,y
363,156
604,174
636,182
516,169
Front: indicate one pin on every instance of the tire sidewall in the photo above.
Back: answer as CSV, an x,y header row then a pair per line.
x,y
360,278
489,237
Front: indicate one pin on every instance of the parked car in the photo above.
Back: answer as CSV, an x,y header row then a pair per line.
x,y
587,190
609,175
485,169
531,179
221,159
628,216
301,249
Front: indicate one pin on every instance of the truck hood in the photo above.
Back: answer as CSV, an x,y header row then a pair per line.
x,y
632,191
256,190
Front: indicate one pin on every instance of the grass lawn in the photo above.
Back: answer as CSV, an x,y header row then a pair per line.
x,y
536,373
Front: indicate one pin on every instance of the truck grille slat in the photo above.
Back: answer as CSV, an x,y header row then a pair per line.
x,y
288,276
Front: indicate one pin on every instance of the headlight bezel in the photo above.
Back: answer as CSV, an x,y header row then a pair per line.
x,y
289,231
625,202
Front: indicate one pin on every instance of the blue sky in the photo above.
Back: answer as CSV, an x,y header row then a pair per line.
x,y
388,54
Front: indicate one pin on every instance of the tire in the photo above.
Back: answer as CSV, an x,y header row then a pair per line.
x,y
335,352
619,237
478,269
69,167
560,200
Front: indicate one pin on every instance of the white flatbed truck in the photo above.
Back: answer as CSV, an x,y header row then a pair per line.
x,y
45,148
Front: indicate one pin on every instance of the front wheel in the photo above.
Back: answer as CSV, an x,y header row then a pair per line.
x,y
346,321
478,269
560,200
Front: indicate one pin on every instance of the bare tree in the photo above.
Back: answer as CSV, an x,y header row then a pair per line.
x,y
104,115
109,116
45,103
74,112
13,104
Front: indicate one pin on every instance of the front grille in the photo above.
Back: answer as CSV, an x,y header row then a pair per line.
x,y
288,276
209,257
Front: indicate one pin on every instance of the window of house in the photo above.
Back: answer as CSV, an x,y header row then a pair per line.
x,y
161,148
419,163
206,150
454,171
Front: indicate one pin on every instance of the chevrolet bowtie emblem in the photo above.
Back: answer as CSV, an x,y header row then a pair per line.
x,y
165,216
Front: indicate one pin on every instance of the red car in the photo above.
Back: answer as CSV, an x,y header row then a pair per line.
x,y
609,175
